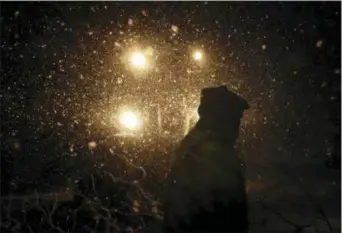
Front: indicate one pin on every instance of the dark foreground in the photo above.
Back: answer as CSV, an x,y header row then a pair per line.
x,y
303,199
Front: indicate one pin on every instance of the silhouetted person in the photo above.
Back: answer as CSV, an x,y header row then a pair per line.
x,y
205,189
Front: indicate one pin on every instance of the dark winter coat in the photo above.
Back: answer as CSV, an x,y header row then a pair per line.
x,y
205,189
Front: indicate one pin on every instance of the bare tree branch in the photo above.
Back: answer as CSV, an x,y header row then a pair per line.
x,y
299,227
309,197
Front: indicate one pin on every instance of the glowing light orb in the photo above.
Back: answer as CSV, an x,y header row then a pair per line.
x,y
197,55
138,60
129,120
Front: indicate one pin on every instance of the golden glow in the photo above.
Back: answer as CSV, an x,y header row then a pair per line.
x,y
191,118
138,60
197,55
129,120
195,114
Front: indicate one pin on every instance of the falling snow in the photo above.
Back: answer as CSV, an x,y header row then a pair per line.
x,y
92,145
144,13
174,28
130,22
67,75
319,43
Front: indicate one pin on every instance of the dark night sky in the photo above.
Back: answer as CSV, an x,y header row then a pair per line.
x,y
61,70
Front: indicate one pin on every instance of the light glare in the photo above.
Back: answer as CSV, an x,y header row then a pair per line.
x,y
129,120
138,60
197,55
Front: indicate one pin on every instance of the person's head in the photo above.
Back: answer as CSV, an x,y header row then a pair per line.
x,y
219,103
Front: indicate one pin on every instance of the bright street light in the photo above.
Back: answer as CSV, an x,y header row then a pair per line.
x,y
197,55
129,120
138,60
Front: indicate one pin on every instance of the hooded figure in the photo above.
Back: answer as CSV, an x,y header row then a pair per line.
x,y
205,189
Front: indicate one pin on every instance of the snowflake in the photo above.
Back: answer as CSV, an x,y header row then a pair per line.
x,y
92,145
319,43
130,22
174,28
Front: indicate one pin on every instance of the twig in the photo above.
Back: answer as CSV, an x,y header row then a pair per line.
x,y
325,218
74,214
25,219
37,197
49,219
93,186
316,205
29,227
298,227
107,218
54,206
14,228
144,194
